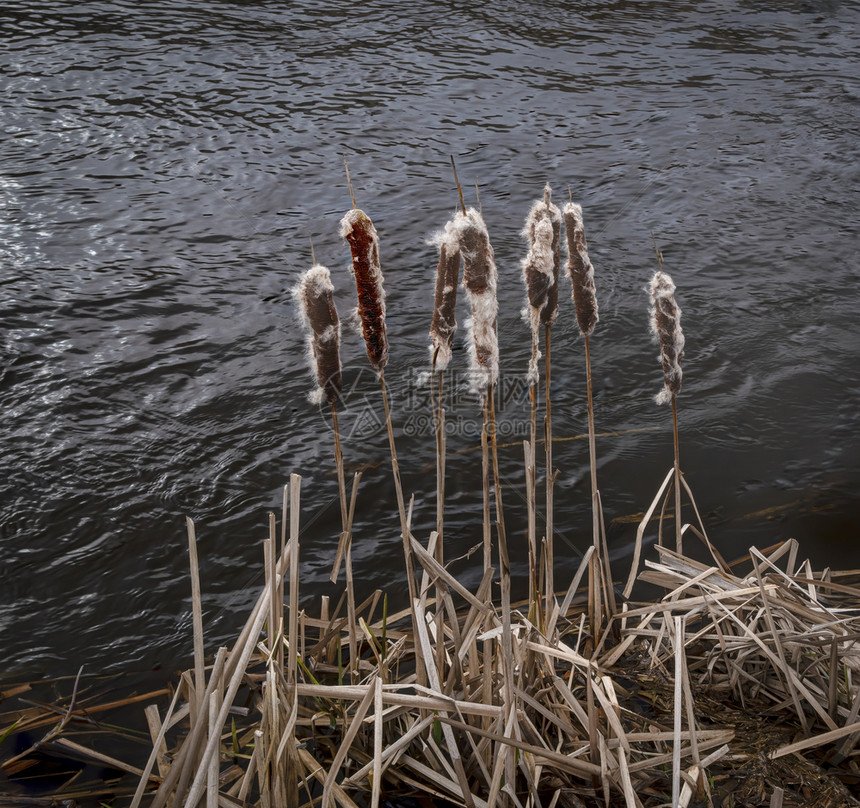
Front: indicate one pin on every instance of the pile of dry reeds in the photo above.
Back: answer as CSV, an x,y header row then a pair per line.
x,y
568,698
781,639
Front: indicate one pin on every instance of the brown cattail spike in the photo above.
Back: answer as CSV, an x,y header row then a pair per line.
x,y
580,270
666,325
359,231
447,276
313,294
479,280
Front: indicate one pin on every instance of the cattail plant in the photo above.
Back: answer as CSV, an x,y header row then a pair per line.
x,y
359,232
581,273
314,297
480,278
666,326
479,281
442,329
541,269
540,274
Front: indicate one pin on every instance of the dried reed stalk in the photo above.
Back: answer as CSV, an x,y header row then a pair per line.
x,y
666,326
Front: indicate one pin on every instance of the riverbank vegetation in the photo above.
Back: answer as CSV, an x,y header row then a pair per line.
x,y
728,684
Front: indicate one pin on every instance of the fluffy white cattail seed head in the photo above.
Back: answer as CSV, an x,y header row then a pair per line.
x,y
480,277
666,326
360,233
313,295
545,210
538,276
580,270
447,277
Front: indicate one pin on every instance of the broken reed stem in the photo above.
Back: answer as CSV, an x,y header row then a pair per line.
x,y
197,705
549,582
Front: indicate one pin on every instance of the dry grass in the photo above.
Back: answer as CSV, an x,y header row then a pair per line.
x,y
726,673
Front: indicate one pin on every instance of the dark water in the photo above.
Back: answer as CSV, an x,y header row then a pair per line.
x,y
163,166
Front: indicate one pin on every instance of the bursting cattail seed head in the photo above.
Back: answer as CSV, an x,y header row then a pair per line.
x,y
360,233
480,277
545,210
447,277
313,294
538,277
666,326
537,265
580,270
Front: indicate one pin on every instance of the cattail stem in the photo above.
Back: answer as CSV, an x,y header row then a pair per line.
x,y
505,570
678,523
398,488
598,532
440,518
440,457
485,480
531,492
666,326
497,486
404,522
597,618
459,187
346,543
341,476
549,582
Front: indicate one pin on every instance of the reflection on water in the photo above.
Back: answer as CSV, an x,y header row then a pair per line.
x,y
162,170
